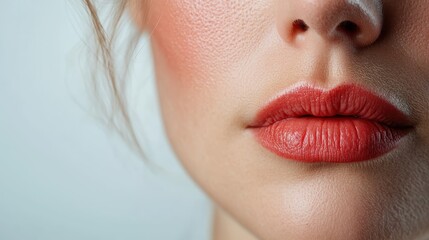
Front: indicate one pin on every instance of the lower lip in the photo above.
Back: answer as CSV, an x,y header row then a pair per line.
x,y
314,139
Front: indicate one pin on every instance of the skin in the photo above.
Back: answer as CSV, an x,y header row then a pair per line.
x,y
218,62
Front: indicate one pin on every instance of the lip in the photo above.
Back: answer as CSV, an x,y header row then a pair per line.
x,y
345,124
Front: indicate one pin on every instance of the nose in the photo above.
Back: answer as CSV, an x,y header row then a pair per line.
x,y
358,22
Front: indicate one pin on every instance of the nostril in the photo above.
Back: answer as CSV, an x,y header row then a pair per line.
x,y
354,23
299,25
348,27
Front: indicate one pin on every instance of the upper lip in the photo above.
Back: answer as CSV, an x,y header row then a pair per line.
x,y
348,100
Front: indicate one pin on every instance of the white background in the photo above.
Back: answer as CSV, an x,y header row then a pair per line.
x,y
63,175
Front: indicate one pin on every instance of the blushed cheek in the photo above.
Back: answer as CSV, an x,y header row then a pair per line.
x,y
199,40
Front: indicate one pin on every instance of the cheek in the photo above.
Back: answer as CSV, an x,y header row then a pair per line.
x,y
410,34
408,25
197,48
199,40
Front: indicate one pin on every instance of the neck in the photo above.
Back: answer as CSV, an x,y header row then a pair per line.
x,y
227,228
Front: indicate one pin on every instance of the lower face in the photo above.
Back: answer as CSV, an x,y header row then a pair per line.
x,y
218,62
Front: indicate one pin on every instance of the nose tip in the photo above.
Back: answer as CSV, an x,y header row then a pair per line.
x,y
356,21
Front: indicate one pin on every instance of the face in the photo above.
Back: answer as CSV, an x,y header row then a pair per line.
x,y
219,62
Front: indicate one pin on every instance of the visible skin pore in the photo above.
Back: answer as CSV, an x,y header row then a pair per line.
x,y
218,62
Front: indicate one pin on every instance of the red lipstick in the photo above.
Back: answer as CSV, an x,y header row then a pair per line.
x,y
345,124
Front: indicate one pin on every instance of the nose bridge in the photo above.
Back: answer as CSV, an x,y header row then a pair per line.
x,y
357,21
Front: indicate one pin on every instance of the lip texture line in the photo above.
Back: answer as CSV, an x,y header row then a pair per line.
x,y
344,124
